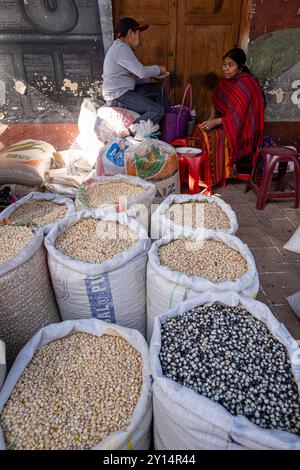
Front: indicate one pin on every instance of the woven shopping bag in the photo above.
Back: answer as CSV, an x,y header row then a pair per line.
x,y
175,122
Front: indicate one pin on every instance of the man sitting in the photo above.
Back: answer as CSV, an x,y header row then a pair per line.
x,y
128,83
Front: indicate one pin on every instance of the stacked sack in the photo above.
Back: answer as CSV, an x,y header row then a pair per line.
x,y
226,377
118,193
42,210
156,162
97,262
26,163
79,385
196,254
183,211
26,297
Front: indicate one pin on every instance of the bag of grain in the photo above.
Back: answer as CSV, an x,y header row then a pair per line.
x,y
97,262
26,297
99,399
222,365
182,267
111,157
43,210
184,210
25,162
156,162
2,363
118,193
113,122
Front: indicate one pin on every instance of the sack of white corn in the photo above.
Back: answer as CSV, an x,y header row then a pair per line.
x,y
25,162
2,363
182,210
79,385
97,262
156,162
27,301
118,194
182,267
226,377
41,210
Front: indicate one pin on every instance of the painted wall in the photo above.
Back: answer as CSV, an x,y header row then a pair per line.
x,y
51,56
274,57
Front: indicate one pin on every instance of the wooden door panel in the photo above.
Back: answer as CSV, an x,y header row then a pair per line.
x,y
145,8
203,63
206,30
209,7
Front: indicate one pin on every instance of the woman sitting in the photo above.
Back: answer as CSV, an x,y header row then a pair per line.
x,y
233,134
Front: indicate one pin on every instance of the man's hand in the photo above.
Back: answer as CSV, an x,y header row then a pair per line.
x,y
163,69
161,77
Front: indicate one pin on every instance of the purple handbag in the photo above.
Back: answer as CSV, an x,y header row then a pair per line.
x,y
174,124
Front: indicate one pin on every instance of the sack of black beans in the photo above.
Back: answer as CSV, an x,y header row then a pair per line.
x,y
79,385
196,212
97,262
2,363
41,210
182,267
226,377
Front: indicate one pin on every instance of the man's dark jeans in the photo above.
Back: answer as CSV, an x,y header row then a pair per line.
x,y
148,100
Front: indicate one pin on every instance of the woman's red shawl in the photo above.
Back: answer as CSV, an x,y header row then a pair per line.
x,y
241,104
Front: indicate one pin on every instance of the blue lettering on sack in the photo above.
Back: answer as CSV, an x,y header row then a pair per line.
x,y
116,153
100,299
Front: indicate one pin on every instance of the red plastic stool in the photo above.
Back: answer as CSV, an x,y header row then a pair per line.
x,y
271,156
190,160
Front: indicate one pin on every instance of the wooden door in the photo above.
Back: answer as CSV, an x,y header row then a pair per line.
x,y
158,44
190,37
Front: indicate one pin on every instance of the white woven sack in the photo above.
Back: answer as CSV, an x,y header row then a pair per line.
x,y
71,209
167,288
156,162
294,303
184,420
26,162
27,300
163,227
294,243
2,363
114,291
137,435
138,207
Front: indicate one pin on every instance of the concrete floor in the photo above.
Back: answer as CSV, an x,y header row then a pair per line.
x,y
266,232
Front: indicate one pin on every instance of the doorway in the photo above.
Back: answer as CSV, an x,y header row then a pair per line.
x,y
190,37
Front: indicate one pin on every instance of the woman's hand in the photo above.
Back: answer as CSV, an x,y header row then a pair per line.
x,y
211,124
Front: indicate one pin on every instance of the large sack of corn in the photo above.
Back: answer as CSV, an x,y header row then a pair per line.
x,y
184,211
41,210
25,162
226,377
156,162
79,385
97,262
118,193
182,267
2,363
27,301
